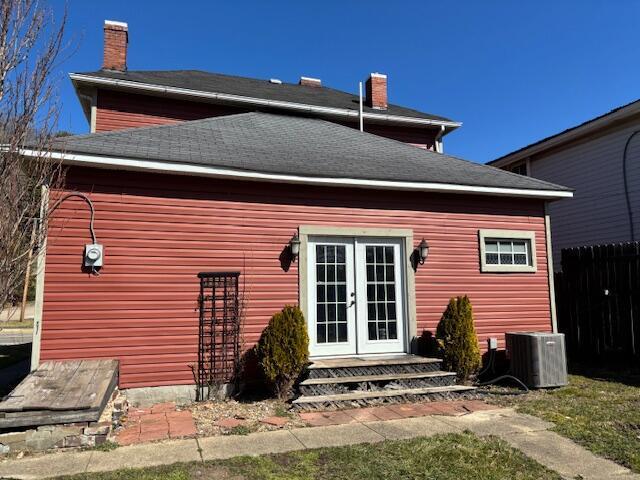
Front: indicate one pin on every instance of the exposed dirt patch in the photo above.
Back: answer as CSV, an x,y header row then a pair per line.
x,y
207,414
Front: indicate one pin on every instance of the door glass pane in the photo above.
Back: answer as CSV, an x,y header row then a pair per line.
x,y
331,333
341,273
331,293
381,289
331,297
342,293
342,331
321,332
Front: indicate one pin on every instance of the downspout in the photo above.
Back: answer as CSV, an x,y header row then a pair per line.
x,y
550,272
625,181
93,106
439,145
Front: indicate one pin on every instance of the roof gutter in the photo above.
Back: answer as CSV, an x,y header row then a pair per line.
x,y
122,163
242,100
568,136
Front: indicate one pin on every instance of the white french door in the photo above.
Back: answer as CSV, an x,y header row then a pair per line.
x,y
355,296
331,295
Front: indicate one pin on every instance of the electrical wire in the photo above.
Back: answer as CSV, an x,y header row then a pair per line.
x,y
524,390
627,197
508,376
94,271
86,199
492,354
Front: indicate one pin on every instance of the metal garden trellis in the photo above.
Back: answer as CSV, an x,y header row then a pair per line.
x,y
219,331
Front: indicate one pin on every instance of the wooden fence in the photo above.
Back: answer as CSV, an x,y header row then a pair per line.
x,y
598,301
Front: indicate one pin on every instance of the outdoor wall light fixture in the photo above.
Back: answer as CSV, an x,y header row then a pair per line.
x,y
423,251
294,246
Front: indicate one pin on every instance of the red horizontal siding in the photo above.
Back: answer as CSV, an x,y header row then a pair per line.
x,y
120,110
160,231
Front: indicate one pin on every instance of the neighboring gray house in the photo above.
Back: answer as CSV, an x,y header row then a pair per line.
x,y
591,159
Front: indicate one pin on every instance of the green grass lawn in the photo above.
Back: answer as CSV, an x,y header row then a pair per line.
x,y
10,354
600,411
27,324
442,457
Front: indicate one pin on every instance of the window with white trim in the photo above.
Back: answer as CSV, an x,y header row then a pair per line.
x,y
507,251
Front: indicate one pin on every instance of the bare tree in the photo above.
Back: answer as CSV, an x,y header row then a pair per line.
x,y
30,47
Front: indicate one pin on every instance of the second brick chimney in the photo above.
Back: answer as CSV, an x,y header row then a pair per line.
x,y
116,38
376,91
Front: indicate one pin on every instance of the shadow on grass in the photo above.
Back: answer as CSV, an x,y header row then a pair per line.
x,y
613,371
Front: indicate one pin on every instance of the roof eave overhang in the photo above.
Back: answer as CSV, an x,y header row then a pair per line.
x,y
132,164
569,135
238,100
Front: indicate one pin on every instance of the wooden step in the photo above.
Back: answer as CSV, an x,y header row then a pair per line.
x,y
379,394
350,362
375,378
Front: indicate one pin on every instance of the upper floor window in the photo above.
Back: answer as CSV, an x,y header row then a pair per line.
x,y
520,168
507,251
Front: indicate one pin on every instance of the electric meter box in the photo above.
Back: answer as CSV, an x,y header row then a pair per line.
x,y
93,255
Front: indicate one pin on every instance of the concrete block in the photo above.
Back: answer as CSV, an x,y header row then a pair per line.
x,y
87,440
13,438
46,438
98,430
180,394
71,441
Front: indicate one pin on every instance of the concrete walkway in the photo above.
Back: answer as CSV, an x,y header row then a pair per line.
x,y
524,432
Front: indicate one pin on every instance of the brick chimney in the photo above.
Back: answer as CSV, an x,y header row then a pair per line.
x,y
376,91
310,82
116,38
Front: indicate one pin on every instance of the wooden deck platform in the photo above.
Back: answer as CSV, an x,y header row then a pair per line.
x,y
60,392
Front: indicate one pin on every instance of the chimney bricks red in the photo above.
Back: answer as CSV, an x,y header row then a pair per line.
x,y
376,91
116,38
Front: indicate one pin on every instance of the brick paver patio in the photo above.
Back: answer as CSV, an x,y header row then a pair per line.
x,y
159,422
163,421
393,412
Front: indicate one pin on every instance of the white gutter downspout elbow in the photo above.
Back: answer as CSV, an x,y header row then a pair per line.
x,y
91,99
439,144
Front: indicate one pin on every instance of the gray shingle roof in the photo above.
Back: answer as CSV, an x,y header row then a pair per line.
x,y
278,144
255,88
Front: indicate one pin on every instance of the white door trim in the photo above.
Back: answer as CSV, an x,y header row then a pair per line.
x,y
409,281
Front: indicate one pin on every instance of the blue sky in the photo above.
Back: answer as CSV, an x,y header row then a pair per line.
x,y
512,72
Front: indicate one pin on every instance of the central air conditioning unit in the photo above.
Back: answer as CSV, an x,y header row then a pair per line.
x,y
538,359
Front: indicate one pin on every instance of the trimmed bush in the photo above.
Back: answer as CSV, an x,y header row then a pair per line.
x,y
456,335
283,349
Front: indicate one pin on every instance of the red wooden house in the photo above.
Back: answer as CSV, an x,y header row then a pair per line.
x,y
191,171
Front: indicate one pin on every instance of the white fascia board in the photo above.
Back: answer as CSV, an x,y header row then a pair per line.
x,y
229,173
572,134
238,99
